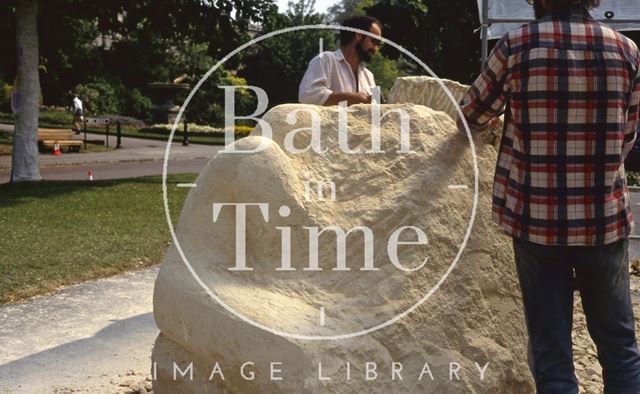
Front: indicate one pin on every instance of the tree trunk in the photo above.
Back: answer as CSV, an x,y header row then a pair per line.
x,y
24,160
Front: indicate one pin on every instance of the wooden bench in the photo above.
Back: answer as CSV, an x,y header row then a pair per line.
x,y
48,137
71,145
54,134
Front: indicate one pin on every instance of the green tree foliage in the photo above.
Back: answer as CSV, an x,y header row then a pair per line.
x,y
438,33
128,43
136,104
7,42
68,56
277,64
5,97
99,97
103,97
386,71
348,8
221,23
207,105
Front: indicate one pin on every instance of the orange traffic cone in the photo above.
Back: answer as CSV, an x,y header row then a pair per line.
x,y
56,149
90,173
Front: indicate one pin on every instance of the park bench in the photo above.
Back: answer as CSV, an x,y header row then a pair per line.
x,y
48,137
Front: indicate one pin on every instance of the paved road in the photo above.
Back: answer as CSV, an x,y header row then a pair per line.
x,y
115,170
137,157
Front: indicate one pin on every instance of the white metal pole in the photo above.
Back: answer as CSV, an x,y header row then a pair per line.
x,y
484,34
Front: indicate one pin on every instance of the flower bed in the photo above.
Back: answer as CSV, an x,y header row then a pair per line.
x,y
196,129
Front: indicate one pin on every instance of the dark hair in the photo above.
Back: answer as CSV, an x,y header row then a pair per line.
x,y
357,22
561,5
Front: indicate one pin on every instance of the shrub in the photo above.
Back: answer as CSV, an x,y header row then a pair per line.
x,y
207,106
55,116
136,104
112,97
633,178
5,97
99,97
125,121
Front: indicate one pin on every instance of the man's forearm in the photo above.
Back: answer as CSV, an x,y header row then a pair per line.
x,y
351,98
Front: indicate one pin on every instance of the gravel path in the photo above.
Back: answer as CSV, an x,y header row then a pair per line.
x,y
98,336
133,149
89,338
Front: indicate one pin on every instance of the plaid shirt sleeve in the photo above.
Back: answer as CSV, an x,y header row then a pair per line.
x,y
633,118
486,97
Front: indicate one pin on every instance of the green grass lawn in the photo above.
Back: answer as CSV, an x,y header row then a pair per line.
x,y
57,233
53,118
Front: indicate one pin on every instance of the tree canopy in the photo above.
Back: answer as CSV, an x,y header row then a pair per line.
x,y
128,44
277,64
110,51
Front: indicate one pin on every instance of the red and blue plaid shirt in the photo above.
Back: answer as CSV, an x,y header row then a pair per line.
x,y
571,86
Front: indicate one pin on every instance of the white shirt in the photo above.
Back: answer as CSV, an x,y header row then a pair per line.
x,y
330,72
77,104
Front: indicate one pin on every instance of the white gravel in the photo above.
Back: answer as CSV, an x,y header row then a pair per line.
x,y
88,337
98,336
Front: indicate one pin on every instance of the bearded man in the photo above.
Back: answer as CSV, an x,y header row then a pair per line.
x,y
333,77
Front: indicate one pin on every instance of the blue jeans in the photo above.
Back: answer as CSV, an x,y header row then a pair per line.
x,y
547,282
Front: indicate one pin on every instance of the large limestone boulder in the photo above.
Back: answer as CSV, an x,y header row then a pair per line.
x,y
275,323
427,91
430,92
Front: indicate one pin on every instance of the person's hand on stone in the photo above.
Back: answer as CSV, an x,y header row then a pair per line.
x,y
490,135
362,98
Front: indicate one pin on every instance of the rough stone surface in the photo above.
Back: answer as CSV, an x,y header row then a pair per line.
x,y
427,91
474,317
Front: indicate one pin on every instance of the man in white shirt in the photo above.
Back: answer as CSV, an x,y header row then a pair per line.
x,y
77,113
332,77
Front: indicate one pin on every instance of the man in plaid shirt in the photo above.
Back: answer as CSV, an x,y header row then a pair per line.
x,y
571,87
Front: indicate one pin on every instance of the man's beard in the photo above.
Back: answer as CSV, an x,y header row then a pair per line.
x,y
362,53
538,9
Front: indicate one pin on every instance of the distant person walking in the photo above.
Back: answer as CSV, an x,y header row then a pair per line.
x,y
78,115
